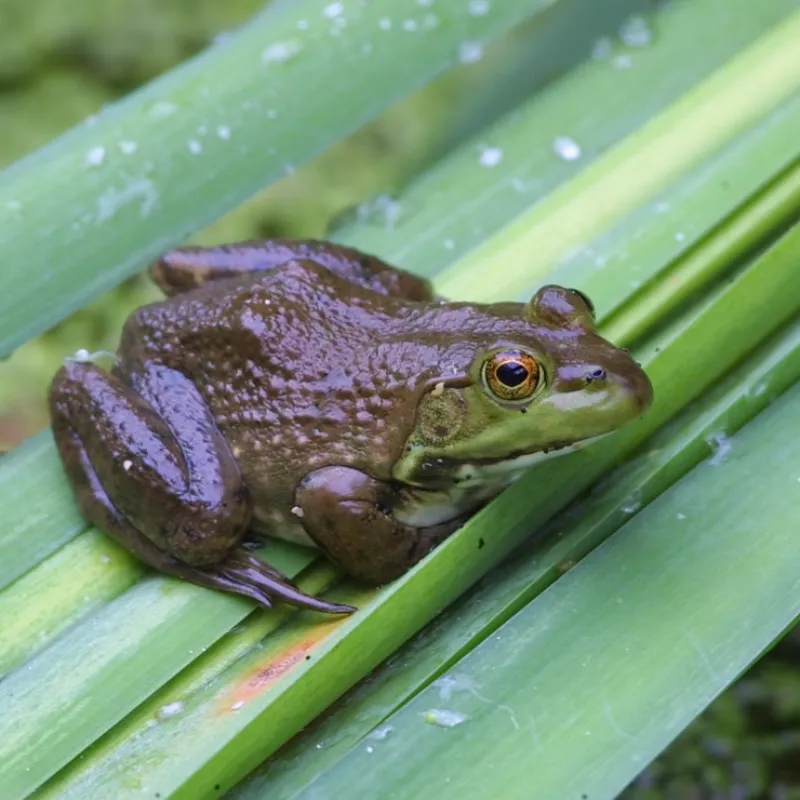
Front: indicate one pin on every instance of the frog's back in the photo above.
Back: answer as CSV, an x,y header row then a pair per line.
x,y
300,368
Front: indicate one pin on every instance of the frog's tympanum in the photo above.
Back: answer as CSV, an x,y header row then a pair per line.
x,y
311,392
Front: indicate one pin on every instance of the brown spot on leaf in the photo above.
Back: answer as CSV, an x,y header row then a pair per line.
x,y
277,662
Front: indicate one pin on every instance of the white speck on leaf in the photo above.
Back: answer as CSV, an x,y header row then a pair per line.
x,y
479,8
566,148
381,209
632,503
384,23
721,448
279,52
410,25
128,148
602,49
444,718
163,109
95,157
455,682
224,132
194,147
333,10
470,52
139,189
380,733
171,709
623,62
83,356
490,156
635,32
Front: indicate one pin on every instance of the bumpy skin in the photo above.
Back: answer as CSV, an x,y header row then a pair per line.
x,y
308,387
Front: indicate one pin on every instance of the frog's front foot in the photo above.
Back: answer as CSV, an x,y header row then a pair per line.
x,y
349,515
150,468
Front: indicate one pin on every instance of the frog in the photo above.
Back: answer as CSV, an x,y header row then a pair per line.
x,y
307,391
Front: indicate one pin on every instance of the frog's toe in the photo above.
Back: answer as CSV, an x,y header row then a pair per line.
x,y
245,574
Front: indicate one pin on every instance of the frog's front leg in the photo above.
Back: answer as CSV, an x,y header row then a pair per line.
x,y
349,515
189,267
150,468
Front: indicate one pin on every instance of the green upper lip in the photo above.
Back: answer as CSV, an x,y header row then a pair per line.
x,y
519,454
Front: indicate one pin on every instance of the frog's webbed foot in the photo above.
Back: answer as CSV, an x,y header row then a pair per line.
x,y
170,494
349,515
241,573
189,267
246,574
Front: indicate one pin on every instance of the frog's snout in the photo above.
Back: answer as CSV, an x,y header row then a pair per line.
x,y
638,388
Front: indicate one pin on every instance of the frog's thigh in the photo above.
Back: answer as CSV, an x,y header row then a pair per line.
x,y
189,267
347,513
240,573
167,494
98,509
167,470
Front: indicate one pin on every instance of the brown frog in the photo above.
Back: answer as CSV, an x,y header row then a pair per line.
x,y
308,391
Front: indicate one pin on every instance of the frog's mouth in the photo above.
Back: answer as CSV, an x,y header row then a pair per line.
x,y
465,486
501,471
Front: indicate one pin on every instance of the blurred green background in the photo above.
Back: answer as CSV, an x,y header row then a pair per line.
x,y
62,61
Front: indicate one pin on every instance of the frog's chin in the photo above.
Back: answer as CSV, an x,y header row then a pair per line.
x,y
473,484
507,470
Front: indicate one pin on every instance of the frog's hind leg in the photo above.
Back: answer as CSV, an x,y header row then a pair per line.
x,y
189,267
82,398
241,573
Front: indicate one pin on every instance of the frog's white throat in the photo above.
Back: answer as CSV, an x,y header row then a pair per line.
x,y
473,485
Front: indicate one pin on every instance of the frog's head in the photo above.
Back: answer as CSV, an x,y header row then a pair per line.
x,y
541,382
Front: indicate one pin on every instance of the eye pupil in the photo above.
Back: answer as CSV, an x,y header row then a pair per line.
x,y
512,373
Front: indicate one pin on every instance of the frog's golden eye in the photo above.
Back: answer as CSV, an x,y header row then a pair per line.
x,y
511,375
